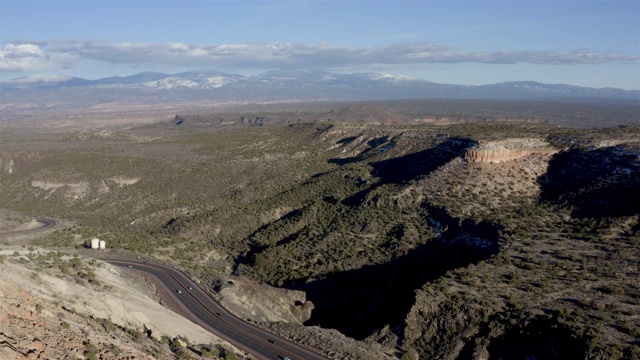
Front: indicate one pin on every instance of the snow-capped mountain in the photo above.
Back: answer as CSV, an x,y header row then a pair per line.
x,y
194,80
281,85
41,81
40,78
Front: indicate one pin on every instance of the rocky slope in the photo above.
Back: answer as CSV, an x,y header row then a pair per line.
x,y
260,302
73,308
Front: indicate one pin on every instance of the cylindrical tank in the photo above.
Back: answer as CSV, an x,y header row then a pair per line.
x,y
103,244
95,243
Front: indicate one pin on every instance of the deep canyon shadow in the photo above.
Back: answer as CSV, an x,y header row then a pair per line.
x,y
540,339
360,301
255,249
408,167
595,183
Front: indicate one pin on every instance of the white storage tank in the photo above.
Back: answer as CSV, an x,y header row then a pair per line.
x,y
103,244
95,243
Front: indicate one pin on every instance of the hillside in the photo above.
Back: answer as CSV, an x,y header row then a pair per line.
x,y
68,307
458,240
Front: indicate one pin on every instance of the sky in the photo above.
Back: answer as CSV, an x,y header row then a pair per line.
x,y
585,43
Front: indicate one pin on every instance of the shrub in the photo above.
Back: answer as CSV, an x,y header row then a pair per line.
x,y
115,350
91,351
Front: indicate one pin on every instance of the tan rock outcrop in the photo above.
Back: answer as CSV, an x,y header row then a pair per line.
x,y
261,302
509,149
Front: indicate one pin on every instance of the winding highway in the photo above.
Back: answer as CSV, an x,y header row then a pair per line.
x,y
192,302
198,306
46,224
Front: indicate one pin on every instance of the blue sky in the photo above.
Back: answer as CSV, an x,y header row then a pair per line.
x,y
584,43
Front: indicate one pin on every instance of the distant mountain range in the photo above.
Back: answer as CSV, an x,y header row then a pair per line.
x,y
276,85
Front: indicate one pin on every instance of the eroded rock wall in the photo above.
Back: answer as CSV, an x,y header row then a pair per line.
x,y
261,302
509,149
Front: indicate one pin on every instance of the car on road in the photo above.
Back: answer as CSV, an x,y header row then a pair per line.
x,y
190,288
130,266
179,291
284,357
218,314
271,341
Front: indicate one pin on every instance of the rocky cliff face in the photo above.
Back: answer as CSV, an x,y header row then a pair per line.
x,y
509,149
261,302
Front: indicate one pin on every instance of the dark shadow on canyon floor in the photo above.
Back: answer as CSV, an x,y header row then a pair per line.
x,y
360,301
594,183
408,167
540,339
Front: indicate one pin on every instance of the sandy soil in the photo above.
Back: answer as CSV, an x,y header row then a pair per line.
x,y
117,299
12,221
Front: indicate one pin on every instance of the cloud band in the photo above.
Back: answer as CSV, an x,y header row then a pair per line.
x,y
22,56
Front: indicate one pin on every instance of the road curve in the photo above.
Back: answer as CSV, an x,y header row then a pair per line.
x,y
195,304
46,224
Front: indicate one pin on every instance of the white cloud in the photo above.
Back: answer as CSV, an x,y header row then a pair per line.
x,y
24,57
30,57
58,54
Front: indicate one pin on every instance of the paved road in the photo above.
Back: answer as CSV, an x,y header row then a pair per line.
x,y
195,304
46,224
